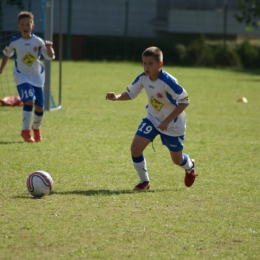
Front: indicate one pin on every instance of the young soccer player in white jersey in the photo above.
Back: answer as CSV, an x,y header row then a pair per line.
x,y
167,101
29,73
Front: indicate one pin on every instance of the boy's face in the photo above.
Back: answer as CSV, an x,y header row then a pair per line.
x,y
151,67
25,26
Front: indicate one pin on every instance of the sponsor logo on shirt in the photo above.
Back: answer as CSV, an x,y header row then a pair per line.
x,y
28,59
151,86
159,95
156,104
185,99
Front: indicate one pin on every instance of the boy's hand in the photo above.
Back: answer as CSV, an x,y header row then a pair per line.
x,y
50,51
48,44
111,96
163,126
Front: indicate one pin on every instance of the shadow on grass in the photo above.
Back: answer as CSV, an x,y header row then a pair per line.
x,y
95,193
12,142
254,72
98,192
107,192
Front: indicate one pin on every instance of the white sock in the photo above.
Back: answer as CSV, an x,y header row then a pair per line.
x,y
27,116
37,121
141,170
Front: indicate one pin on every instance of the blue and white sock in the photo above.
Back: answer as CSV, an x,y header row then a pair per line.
x,y
140,167
38,118
27,116
187,164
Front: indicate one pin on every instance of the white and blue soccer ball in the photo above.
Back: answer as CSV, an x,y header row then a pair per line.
x,y
39,183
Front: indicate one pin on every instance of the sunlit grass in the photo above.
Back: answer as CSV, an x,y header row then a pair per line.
x,y
93,213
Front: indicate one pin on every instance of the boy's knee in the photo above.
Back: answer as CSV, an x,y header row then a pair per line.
x,y
135,151
29,103
39,109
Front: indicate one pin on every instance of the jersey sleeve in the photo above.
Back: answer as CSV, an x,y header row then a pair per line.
x,y
8,51
45,54
184,99
175,92
135,88
178,94
43,50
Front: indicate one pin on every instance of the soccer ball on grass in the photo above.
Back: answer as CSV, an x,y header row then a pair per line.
x,y
39,183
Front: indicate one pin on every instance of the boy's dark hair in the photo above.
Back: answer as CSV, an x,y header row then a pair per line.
x,y
25,14
154,52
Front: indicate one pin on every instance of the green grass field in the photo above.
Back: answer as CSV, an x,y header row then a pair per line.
x,y
93,213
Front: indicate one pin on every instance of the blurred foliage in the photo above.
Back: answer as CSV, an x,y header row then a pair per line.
x,y
249,13
198,52
248,54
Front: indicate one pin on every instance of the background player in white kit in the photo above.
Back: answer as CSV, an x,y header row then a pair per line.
x,y
165,116
29,73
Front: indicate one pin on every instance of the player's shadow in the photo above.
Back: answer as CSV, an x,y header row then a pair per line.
x,y
94,193
97,192
11,142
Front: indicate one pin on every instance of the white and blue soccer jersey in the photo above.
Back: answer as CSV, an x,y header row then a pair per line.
x,y
27,52
164,95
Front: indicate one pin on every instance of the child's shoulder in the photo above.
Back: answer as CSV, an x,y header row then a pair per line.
x,y
15,38
168,78
36,38
139,76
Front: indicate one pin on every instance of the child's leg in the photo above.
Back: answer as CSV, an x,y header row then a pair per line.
x,y
38,117
186,163
38,113
145,133
138,145
27,115
39,108
26,93
175,146
181,159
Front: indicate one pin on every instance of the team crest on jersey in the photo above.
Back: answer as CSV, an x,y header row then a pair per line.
x,y
29,59
35,48
185,99
159,95
156,104
5,49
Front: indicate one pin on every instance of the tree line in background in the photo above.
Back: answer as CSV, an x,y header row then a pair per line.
x,y
203,53
199,52
249,13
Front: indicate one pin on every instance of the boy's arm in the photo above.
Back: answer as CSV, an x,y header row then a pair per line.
x,y
121,97
4,61
176,112
49,48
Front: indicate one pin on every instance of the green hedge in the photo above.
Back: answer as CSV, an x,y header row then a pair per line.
x,y
187,53
248,55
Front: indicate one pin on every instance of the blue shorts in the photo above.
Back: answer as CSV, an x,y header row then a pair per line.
x,y
147,130
27,92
